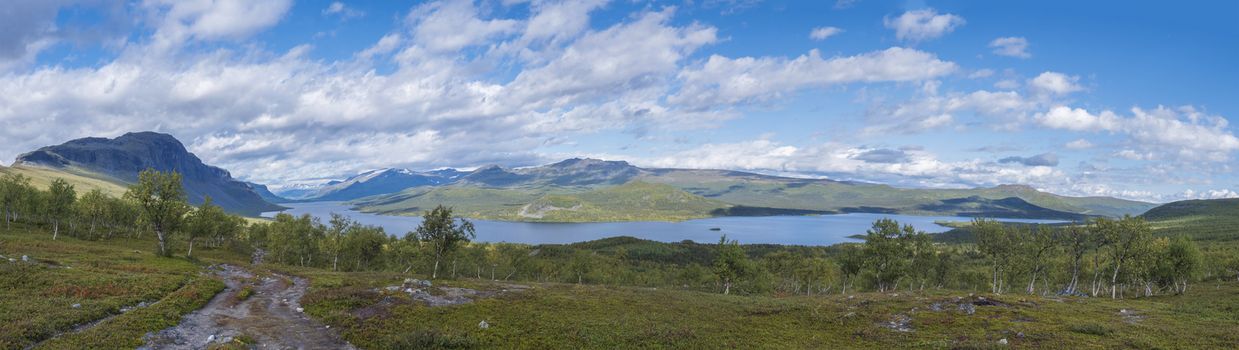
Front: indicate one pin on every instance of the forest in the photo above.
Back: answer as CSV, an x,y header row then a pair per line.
x,y
1113,258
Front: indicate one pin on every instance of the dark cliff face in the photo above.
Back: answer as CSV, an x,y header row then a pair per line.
x,y
126,156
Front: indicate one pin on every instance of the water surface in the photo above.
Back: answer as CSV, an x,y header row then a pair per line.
x,y
798,230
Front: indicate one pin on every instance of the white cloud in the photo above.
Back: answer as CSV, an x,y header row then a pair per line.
x,y
724,81
1079,119
342,11
1011,46
1007,84
1208,194
921,25
981,73
932,111
913,166
280,117
1079,144
1184,133
558,21
386,45
821,33
1054,83
182,20
452,25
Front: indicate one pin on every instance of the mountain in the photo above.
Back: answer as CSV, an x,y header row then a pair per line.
x,y
743,193
1011,207
1203,219
817,194
377,182
122,158
266,193
297,192
632,201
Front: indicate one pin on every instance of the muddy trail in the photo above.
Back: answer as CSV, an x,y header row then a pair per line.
x,y
270,316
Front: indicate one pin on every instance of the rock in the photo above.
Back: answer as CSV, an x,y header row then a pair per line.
x,y
77,306
392,288
968,308
210,338
300,310
25,258
483,325
900,323
1002,341
413,282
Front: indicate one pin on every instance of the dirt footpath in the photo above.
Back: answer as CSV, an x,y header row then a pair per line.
x,y
270,317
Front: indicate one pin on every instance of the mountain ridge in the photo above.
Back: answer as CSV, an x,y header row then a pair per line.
x,y
123,157
746,192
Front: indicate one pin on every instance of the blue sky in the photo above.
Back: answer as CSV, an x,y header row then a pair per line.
x,y
1127,99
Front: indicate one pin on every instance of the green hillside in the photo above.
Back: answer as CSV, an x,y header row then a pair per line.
x,y
473,202
809,194
634,201
1215,219
82,180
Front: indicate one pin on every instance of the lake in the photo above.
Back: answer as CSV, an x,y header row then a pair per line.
x,y
796,230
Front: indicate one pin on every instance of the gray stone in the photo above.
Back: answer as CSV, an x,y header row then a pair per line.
x,y
413,282
25,258
483,325
968,308
1002,341
77,306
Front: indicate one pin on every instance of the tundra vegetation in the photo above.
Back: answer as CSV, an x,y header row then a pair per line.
x,y
1091,283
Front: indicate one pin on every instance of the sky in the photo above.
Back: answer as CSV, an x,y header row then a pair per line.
x,y
1130,99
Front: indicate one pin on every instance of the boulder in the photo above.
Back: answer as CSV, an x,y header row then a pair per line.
x,y
1002,341
968,308
483,325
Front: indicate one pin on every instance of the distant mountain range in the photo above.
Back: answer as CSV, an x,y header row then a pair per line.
x,y
567,191
119,161
371,183
495,192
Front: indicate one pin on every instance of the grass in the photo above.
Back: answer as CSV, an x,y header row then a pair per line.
x,y
573,316
128,330
37,300
83,181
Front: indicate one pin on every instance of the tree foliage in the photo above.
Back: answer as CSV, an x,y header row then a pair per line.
x,y
444,233
161,203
